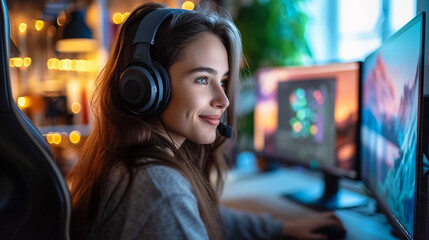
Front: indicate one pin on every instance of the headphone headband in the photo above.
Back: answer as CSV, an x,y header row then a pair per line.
x,y
147,29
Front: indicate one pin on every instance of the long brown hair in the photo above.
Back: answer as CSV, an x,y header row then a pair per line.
x,y
120,138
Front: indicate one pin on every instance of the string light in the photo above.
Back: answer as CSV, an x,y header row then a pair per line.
x,y
23,102
50,138
74,136
62,18
117,18
18,62
22,27
188,5
56,137
39,25
125,16
75,107
52,63
27,62
78,65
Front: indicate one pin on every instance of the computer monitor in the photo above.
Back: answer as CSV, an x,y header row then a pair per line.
x,y
394,128
309,116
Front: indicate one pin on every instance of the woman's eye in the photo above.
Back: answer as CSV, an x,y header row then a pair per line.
x,y
202,80
223,83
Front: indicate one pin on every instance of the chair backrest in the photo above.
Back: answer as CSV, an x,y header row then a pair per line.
x,y
34,198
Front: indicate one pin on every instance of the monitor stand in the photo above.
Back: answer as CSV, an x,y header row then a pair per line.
x,y
330,198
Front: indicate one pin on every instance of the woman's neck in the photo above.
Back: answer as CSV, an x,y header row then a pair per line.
x,y
175,139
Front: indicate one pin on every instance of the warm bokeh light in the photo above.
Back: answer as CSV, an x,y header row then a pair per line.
x,y
53,63
76,45
62,18
117,18
188,5
125,16
82,65
18,62
56,138
22,27
72,65
39,25
23,102
265,122
346,152
65,64
75,107
27,62
50,138
74,136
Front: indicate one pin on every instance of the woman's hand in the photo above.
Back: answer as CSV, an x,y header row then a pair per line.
x,y
304,228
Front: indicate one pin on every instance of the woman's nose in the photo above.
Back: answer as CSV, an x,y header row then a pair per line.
x,y
219,100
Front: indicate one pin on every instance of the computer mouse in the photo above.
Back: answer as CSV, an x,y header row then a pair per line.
x,y
332,232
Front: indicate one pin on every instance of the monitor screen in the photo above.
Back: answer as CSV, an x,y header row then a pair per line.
x,y
306,118
309,116
391,103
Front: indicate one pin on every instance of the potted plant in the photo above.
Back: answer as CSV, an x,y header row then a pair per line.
x,y
273,34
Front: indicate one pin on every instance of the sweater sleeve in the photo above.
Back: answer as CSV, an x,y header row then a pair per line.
x,y
241,225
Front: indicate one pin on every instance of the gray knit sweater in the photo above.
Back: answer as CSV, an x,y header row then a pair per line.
x,y
161,205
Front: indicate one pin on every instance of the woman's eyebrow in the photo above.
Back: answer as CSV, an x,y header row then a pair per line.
x,y
206,69
203,69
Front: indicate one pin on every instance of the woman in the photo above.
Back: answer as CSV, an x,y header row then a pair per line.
x,y
145,174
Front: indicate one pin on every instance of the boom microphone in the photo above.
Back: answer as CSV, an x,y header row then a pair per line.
x,y
224,130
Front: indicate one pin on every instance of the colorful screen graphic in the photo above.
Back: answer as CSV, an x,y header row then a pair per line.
x,y
309,115
306,118
389,122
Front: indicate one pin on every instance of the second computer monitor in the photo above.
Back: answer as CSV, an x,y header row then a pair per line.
x,y
394,130
309,116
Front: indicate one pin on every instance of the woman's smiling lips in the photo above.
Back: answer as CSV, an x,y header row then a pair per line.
x,y
211,119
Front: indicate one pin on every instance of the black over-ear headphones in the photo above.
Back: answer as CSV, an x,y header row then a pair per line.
x,y
144,84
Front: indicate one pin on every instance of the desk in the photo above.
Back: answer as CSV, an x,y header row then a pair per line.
x,y
261,192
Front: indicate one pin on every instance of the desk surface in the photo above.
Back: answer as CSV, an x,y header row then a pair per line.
x,y
261,192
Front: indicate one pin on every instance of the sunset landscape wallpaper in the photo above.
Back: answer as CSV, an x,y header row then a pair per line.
x,y
390,98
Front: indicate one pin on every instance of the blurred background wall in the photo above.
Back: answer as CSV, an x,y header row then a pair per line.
x,y
63,45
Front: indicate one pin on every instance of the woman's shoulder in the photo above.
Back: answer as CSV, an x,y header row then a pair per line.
x,y
156,195
163,180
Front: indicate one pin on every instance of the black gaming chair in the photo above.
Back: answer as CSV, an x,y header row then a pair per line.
x,y
34,198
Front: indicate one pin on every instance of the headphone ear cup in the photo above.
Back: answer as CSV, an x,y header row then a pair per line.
x,y
138,90
165,79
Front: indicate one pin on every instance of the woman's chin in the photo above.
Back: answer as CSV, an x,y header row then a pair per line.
x,y
208,139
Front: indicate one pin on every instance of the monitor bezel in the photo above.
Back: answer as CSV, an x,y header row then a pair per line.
x,y
394,222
